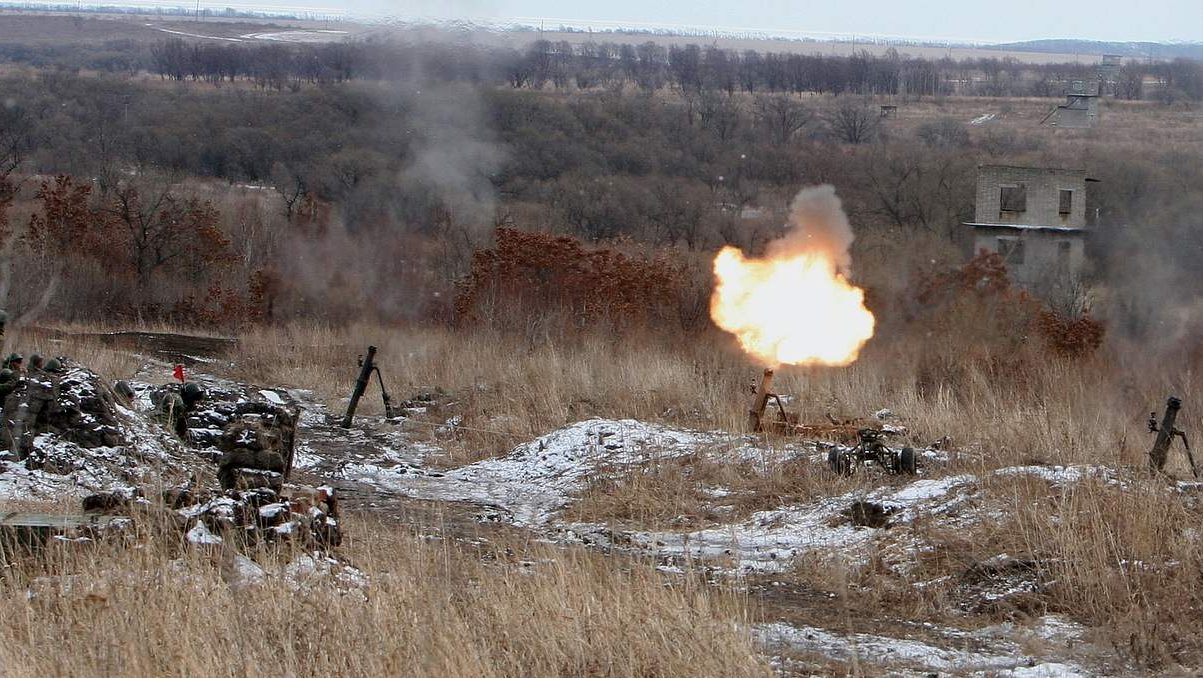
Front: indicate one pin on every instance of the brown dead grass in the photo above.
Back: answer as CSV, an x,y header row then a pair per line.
x,y
431,610
1007,407
1125,558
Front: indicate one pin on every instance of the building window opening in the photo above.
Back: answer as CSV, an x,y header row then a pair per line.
x,y
1066,203
1013,199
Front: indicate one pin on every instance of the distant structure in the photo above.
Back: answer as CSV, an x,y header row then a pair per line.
x,y
1108,70
1035,217
1081,108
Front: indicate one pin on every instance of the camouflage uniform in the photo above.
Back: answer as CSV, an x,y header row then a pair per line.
x,y
8,382
173,406
174,413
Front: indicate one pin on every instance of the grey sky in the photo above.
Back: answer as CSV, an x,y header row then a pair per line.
x,y
968,20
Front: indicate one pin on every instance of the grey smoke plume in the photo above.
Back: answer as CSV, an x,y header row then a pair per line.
x,y
817,223
454,156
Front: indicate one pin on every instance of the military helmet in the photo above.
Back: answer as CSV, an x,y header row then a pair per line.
x,y
7,375
15,358
36,360
192,391
53,365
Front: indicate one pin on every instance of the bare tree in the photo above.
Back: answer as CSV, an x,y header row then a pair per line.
x,y
781,115
719,113
1130,83
290,183
944,133
854,121
152,227
918,189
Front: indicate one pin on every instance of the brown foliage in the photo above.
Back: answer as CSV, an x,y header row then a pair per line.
x,y
539,274
985,275
981,288
1073,337
66,219
160,230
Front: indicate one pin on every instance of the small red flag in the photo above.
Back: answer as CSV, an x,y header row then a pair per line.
x,y
179,373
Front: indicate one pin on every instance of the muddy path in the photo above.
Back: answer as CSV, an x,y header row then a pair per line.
x,y
324,448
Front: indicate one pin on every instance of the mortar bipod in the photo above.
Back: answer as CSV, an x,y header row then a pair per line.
x,y
1166,432
388,402
367,365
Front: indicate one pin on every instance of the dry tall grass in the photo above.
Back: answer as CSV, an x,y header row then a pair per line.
x,y
1009,405
1125,557
430,610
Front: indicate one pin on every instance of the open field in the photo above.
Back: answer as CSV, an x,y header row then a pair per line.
x,y
32,27
1032,534
51,28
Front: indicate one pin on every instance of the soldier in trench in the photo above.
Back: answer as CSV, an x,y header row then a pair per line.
x,y
174,406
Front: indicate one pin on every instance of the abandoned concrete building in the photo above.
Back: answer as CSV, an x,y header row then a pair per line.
x,y
1035,217
1081,107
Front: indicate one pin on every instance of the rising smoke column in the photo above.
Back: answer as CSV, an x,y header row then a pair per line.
x,y
795,306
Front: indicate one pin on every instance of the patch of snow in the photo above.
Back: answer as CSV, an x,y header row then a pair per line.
x,y
1000,656
297,36
272,510
1045,670
272,397
769,540
199,534
304,458
150,456
307,569
194,35
983,118
1058,475
539,477
879,649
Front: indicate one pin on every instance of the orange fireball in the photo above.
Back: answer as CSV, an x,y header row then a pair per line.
x,y
790,309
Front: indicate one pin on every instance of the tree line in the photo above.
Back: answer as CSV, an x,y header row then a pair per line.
x,y
647,66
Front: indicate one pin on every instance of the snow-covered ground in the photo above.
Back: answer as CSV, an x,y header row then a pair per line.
x,y
149,457
312,36
999,651
537,478
769,541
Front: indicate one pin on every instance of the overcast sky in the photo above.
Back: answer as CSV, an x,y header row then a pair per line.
x,y
962,20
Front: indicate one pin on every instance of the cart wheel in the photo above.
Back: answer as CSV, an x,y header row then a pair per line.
x,y
839,463
906,461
